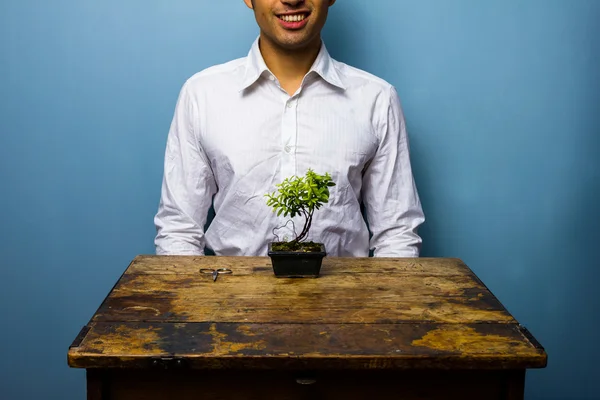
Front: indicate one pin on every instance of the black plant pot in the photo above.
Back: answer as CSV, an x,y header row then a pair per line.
x,y
296,264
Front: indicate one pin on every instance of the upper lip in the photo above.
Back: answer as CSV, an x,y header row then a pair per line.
x,y
294,13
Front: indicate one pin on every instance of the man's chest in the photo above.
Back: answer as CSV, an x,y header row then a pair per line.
x,y
331,133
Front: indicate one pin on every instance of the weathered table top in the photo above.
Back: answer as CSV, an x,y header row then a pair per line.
x,y
361,313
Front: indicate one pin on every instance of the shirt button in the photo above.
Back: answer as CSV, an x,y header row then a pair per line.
x,y
290,104
287,149
271,77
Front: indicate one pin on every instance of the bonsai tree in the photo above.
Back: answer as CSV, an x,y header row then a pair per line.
x,y
300,196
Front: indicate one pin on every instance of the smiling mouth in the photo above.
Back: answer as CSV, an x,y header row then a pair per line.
x,y
293,17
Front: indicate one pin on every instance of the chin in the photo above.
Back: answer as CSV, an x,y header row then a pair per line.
x,y
295,43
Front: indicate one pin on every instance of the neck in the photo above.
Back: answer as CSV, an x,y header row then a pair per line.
x,y
289,66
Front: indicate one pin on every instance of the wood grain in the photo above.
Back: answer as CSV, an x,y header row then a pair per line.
x,y
361,313
388,291
182,265
281,346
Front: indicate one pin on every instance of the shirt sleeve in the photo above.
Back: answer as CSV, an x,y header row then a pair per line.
x,y
390,197
188,185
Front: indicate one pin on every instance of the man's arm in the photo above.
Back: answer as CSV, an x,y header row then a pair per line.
x,y
390,196
188,185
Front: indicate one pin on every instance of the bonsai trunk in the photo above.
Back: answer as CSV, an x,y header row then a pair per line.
x,y
306,228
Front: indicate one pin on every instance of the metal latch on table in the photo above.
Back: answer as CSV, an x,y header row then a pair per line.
x,y
169,362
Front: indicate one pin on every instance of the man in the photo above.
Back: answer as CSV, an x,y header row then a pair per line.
x,y
242,127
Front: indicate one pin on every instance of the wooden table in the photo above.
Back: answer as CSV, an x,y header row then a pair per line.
x,y
367,328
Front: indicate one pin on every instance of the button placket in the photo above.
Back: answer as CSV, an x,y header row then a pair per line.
x,y
289,131
288,138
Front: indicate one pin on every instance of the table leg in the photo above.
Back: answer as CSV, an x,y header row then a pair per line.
x,y
96,385
515,385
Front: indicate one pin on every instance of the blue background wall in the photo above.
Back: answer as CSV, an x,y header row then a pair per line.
x,y
502,100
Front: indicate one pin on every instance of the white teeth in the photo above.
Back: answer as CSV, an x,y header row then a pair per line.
x,y
293,18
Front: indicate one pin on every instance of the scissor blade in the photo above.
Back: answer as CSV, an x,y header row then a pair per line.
x,y
215,274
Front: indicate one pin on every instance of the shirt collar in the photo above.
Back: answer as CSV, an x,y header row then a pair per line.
x,y
323,66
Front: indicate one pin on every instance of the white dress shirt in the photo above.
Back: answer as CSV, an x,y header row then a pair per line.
x,y
236,134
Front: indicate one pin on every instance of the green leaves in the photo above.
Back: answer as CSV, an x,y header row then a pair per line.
x,y
301,196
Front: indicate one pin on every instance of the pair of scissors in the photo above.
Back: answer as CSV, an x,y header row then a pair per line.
x,y
215,272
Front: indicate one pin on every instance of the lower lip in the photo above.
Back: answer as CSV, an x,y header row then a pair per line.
x,y
293,25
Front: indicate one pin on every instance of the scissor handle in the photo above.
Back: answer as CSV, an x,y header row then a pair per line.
x,y
224,271
218,271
